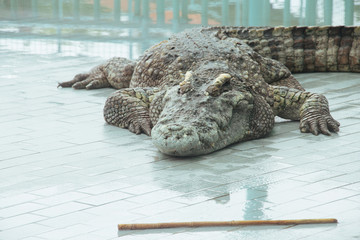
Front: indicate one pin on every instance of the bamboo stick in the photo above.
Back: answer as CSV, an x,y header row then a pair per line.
x,y
136,226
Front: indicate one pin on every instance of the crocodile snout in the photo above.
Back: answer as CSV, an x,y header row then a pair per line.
x,y
176,140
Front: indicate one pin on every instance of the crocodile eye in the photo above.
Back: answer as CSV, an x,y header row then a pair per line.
x,y
219,85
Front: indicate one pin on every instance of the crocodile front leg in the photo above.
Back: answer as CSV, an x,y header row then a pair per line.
x,y
129,108
116,73
310,108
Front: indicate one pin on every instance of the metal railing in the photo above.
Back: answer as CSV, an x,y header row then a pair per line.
x,y
227,12
138,24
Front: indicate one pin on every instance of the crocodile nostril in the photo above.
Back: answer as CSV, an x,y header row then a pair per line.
x,y
175,127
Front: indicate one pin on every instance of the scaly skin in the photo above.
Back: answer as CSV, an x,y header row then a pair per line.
x,y
204,89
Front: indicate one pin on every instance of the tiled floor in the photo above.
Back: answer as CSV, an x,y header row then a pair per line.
x,y
65,174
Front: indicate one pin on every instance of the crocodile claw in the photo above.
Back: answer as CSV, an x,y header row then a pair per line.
x,y
318,123
140,127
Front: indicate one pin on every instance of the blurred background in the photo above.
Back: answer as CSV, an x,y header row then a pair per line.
x,y
126,28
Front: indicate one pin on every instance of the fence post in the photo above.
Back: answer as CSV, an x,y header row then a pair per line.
x,y
60,10
265,12
59,38
310,12
14,8
137,8
97,10
184,11
349,12
204,12
54,7
117,10
76,9
160,11
245,13
301,21
328,8
237,13
225,12
130,13
144,23
34,8
256,12
146,10
176,15
286,16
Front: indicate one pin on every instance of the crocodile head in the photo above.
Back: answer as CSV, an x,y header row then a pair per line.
x,y
202,114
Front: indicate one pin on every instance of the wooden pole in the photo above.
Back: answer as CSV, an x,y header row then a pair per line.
x,y
136,226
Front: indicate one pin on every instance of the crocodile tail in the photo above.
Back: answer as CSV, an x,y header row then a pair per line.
x,y
304,49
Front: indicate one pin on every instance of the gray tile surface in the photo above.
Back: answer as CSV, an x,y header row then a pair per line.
x,y
65,174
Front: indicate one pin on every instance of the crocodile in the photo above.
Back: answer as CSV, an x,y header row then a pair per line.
x,y
206,88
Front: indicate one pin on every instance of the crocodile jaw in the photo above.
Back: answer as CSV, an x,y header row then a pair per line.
x,y
189,139
176,140
182,140
185,140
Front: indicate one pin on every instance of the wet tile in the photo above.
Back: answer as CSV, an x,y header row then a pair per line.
x,y
96,189
286,196
66,174
16,199
19,220
198,196
318,176
153,197
61,198
332,195
293,206
355,198
104,198
62,209
20,209
336,207
158,207
68,232
120,209
28,230
72,218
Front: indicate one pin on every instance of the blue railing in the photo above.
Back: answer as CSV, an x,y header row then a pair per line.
x,y
137,24
224,12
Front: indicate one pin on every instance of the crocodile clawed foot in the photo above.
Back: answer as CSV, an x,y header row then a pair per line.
x,y
88,81
78,82
139,127
315,116
317,123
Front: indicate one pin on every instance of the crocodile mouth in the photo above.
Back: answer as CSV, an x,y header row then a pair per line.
x,y
178,140
194,139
